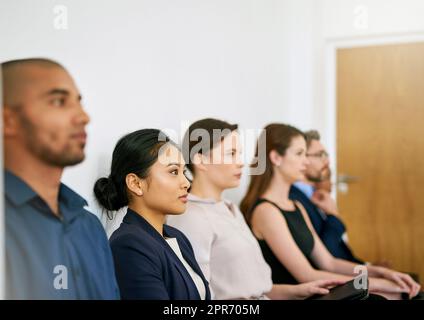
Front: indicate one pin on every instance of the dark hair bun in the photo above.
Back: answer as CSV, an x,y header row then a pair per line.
x,y
134,153
107,194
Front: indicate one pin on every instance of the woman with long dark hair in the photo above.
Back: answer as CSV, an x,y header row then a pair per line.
x,y
286,236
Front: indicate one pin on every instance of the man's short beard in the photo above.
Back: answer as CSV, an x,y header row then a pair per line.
x,y
44,153
63,160
315,179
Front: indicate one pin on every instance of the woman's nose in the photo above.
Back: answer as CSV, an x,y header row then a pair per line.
x,y
186,183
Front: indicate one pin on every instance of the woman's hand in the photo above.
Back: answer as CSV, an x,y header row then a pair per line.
x,y
386,288
403,280
308,289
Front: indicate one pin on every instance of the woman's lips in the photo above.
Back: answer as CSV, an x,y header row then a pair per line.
x,y
183,198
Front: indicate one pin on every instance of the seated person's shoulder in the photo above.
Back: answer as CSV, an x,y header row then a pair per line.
x,y
195,216
195,210
267,214
265,209
128,234
266,217
129,240
74,201
91,219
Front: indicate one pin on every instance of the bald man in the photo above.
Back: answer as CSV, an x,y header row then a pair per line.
x,y
55,249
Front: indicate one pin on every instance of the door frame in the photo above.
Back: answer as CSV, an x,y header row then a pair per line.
x,y
330,79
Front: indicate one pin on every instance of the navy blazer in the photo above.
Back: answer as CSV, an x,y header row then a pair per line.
x,y
330,229
146,267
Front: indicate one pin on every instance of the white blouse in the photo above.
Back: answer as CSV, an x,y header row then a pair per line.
x,y
225,248
173,243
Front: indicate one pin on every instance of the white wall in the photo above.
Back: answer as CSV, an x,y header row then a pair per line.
x,y
160,62
156,63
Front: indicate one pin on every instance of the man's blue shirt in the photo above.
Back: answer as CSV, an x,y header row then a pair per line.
x,y
51,257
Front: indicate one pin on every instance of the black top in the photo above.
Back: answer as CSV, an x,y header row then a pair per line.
x,y
329,228
301,235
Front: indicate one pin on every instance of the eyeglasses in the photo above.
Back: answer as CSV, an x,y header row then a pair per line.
x,y
321,155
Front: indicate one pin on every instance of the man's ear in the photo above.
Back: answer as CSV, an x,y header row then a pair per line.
x,y
275,158
10,122
199,160
134,184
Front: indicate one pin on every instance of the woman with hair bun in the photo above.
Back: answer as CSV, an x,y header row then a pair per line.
x,y
152,260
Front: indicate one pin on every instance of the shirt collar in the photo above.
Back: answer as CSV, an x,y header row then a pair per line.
x,y
70,198
193,198
306,188
19,192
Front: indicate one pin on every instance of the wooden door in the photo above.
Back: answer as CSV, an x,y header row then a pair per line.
x,y
380,141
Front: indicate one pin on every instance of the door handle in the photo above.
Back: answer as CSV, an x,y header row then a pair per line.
x,y
345,178
343,181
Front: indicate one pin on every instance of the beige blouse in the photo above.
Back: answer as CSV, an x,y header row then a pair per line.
x,y
225,248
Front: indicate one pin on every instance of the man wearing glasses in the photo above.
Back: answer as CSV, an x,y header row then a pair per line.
x,y
321,208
